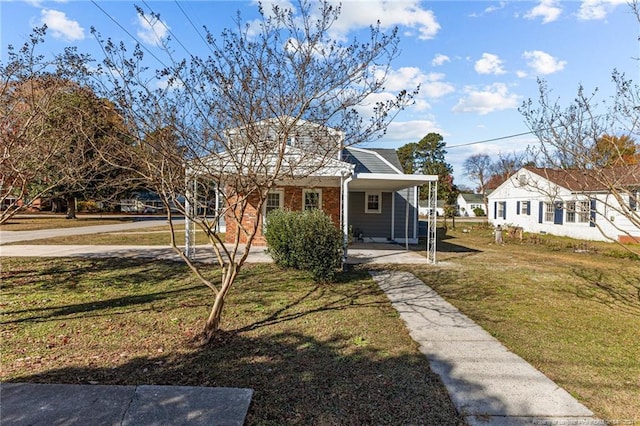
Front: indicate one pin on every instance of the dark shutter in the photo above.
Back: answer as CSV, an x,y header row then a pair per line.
x,y
528,208
518,207
495,209
541,212
558,213
592,214
633,201
504,209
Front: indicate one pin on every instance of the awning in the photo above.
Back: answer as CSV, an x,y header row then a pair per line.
x,y
388,182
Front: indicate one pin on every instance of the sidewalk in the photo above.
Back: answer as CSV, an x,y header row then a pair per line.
x,y
57,404
488,384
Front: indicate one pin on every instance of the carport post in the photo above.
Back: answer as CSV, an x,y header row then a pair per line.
x,y
345,217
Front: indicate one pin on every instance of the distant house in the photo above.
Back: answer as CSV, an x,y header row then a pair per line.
x,y
424,209
467,203
570,203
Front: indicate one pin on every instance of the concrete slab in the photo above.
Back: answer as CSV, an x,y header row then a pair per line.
x,y
61,404
182,405
55,404
488,384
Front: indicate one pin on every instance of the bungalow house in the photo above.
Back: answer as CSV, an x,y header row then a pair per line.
x,y
570,203
364,191
467,203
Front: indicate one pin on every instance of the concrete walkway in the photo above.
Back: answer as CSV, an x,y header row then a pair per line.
x,y
488,384
57,404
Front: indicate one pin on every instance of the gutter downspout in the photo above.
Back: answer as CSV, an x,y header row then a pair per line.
x,y
345,219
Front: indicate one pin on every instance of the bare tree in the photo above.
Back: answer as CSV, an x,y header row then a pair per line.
x,y
273,105
571,140
478,167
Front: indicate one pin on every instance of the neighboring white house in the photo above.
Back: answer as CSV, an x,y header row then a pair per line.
x,y
466,203
570,203
424,209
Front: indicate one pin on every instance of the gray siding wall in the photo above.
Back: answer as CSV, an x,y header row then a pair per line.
x,y
400,212
372,225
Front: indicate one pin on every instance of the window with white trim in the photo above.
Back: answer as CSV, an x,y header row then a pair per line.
x,y
571,211
273,202
373,202
525,208
501,209
311,199
549,209
584,212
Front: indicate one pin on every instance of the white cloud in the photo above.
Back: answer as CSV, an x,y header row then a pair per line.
x,y
440,59
61,26
547,10
431,85
403,132
360,14
489,9
543,63
591,10
522,74
491,98
489,64
151,30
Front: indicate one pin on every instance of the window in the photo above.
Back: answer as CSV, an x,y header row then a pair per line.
x,y
501,209
634,201
373,202
273,202
583,215
311,199
571,211
548,212
525,208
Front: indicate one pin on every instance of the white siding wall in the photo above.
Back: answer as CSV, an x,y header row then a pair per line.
x,y
512,192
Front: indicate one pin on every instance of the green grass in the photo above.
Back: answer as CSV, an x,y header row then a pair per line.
x,y
155,236
575,315
30,223
314,354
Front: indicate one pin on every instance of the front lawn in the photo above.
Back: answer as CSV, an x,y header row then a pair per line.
x,y
571,308
314,354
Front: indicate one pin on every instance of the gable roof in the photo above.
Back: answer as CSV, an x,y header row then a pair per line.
x,y
472,198
372,160
590,180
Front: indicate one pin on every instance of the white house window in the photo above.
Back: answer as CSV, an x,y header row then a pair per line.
x,y
525,208
548,212
311,199
273,202
501,208
583,215
571,211
373,202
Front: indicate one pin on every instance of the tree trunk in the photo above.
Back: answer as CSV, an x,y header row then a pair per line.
x,y
212,326
71,207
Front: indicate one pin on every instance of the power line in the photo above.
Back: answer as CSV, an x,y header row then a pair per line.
x,y
193,25
128,33
167,28
490,140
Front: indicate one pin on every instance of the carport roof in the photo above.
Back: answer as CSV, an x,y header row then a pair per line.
x,y
388,182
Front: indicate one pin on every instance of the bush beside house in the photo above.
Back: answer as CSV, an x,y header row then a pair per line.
x,y
305,240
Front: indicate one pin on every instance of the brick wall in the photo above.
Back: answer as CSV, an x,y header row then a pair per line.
x,y
292,201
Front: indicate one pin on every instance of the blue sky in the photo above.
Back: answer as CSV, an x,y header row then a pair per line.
x,y
476,61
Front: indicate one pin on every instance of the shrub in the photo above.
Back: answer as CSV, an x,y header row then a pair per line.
x,y
306,240
479,212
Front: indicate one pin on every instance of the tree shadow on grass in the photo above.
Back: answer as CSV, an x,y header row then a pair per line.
x,y
296,379
444,246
